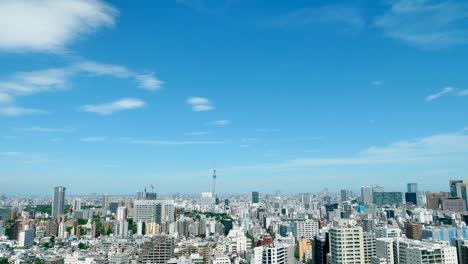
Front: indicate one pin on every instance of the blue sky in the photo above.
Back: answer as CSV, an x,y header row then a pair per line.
x,y
283,95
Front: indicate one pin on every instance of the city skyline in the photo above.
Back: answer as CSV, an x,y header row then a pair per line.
x,y
303,95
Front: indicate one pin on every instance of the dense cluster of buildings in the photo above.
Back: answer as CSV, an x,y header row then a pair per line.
x,y
370,227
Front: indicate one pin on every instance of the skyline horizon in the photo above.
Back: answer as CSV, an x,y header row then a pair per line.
x,y
293,94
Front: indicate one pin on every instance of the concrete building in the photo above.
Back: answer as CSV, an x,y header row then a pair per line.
x,y
273,254
346,243
158,250
434,201
58,205
307,229
366,195
369,246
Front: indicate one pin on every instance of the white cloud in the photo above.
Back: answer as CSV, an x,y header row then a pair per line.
x,y
110,108
173,143
146,81
49,25
426,24
463,93
202,108
200,104
44,129
5,98
340,15
103,69
197,133
92,139
56,79
221,122
431,148
19,111
26,83
149,81
435,96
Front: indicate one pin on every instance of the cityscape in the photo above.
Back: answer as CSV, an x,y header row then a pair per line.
x,y
373,226
233,132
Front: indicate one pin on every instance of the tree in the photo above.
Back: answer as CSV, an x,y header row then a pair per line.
x,y
3,261
82,246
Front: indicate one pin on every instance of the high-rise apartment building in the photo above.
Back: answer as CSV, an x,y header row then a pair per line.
x,y
346,243
77,204
413,230
307,229
158,250
148,211
105,204
366,195
58,205
369,246
278,253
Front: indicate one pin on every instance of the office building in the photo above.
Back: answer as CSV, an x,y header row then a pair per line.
x,y
255,198
434,201
411,198
26,237
58,205
321,246
412,188
388,198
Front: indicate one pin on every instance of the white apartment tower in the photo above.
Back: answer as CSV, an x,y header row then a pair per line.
x,y
346,243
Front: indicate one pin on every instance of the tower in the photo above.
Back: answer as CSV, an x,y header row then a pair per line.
x,y
214,184
58,205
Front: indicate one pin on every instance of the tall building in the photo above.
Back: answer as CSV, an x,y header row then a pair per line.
x,y
369,246
307,229
344,195
305,249
458,188
158,250
121,213
384,251
366,195
77,204
388,198
278,253
58,206
346,243
434,201
408,251
412,187
255,198
321,248
411,198
149,211
413,230
105,204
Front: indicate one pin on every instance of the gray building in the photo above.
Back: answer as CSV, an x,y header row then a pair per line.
x,y
388,198
58,206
